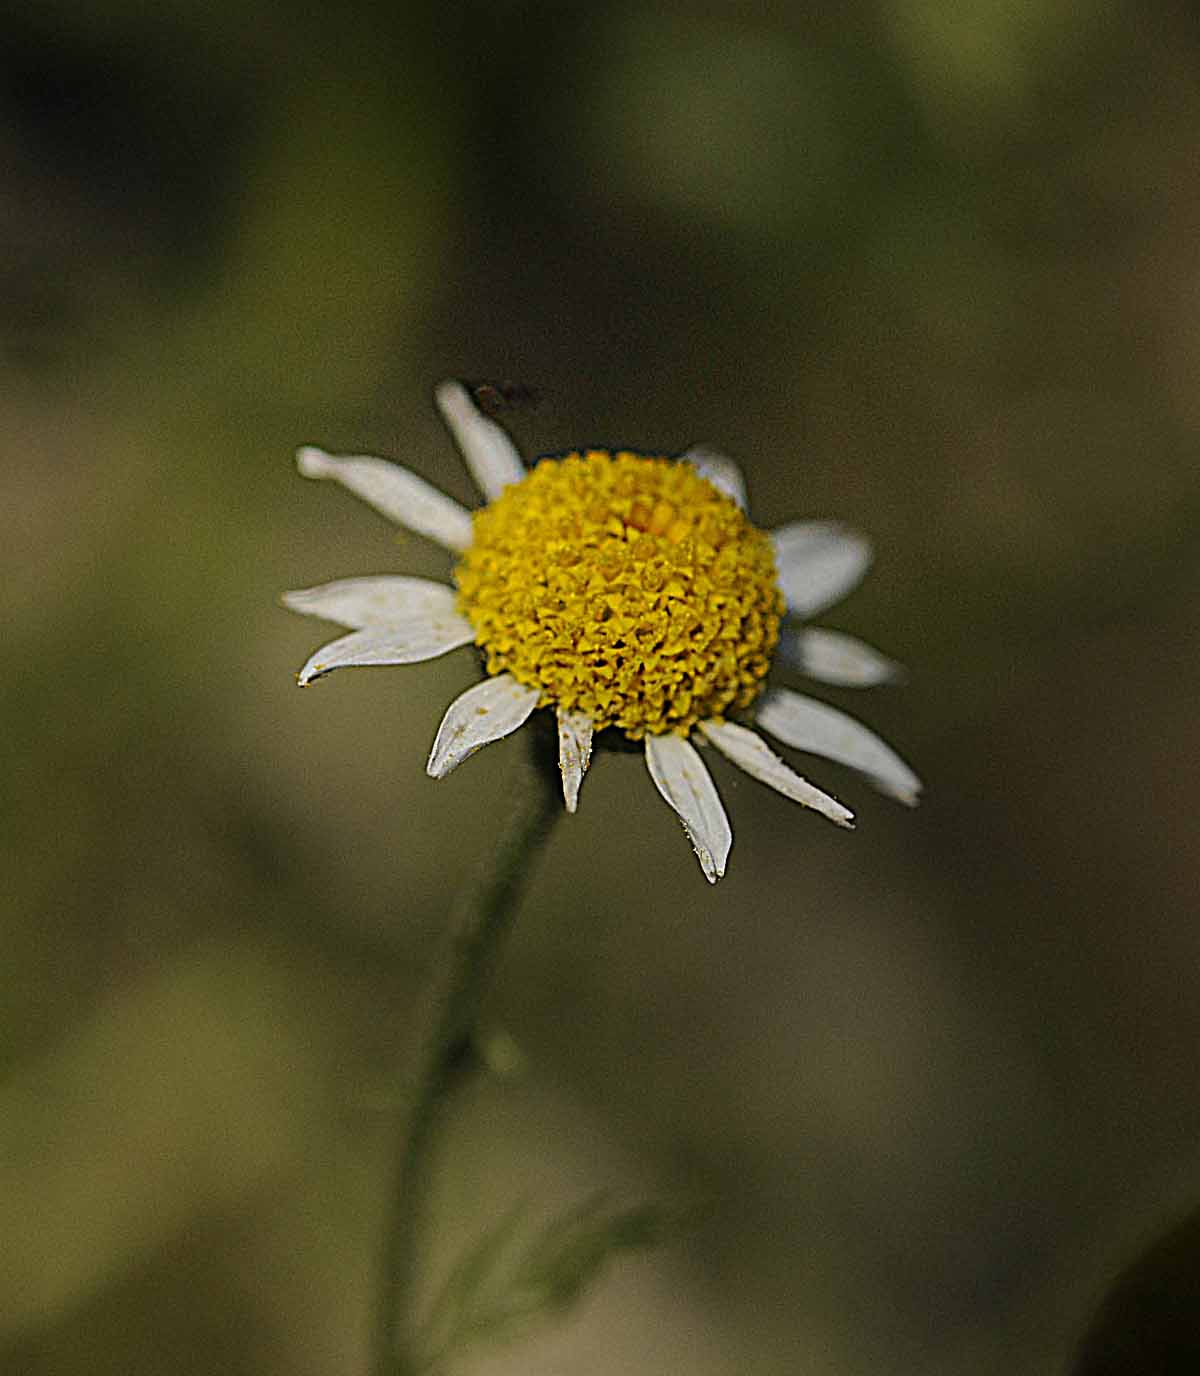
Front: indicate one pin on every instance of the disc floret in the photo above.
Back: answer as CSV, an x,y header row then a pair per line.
x,y
624,587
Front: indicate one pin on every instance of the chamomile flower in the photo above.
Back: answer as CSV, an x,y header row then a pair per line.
x,y
627,593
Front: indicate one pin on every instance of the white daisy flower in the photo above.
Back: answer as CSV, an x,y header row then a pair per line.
x,y
625,592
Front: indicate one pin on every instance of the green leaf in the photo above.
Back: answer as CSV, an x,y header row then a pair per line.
x,y
507,1284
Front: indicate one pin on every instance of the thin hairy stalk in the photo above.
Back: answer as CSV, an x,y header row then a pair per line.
x,y
458,980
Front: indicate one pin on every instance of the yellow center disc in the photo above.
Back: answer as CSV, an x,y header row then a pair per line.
x,y
625,587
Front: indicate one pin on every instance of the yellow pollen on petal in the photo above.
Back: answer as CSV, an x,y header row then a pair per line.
x,y
625,587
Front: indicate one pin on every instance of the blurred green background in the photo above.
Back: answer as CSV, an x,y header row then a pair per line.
x,y
929,269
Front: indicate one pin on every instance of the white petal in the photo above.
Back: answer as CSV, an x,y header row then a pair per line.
x,y
682,778
372,601
406,642
836,658
490,454
484,713
750,752
818,562
806,724
574,753
400,495
722,472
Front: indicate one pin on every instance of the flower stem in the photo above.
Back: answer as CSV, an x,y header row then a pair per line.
x,y
479,922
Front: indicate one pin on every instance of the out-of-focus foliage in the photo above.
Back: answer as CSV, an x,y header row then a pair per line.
x,y
930,270
515,1277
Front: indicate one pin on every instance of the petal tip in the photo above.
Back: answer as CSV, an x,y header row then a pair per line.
x,y
440,762
713,868
312,462
444,759
449,392
908,794
313,670
906,789
574,754
571,783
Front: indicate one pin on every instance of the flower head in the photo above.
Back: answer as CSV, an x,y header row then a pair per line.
x,y
625,588
625,592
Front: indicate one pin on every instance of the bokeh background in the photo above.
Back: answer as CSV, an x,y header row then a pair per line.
x,y
929,269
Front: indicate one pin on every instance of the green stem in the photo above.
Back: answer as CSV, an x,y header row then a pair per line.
x,y
479,923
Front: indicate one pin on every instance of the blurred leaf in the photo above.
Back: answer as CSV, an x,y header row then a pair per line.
x,y
504,1285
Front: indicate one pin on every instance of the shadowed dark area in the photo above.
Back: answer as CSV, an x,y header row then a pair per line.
x,y
1149,1321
